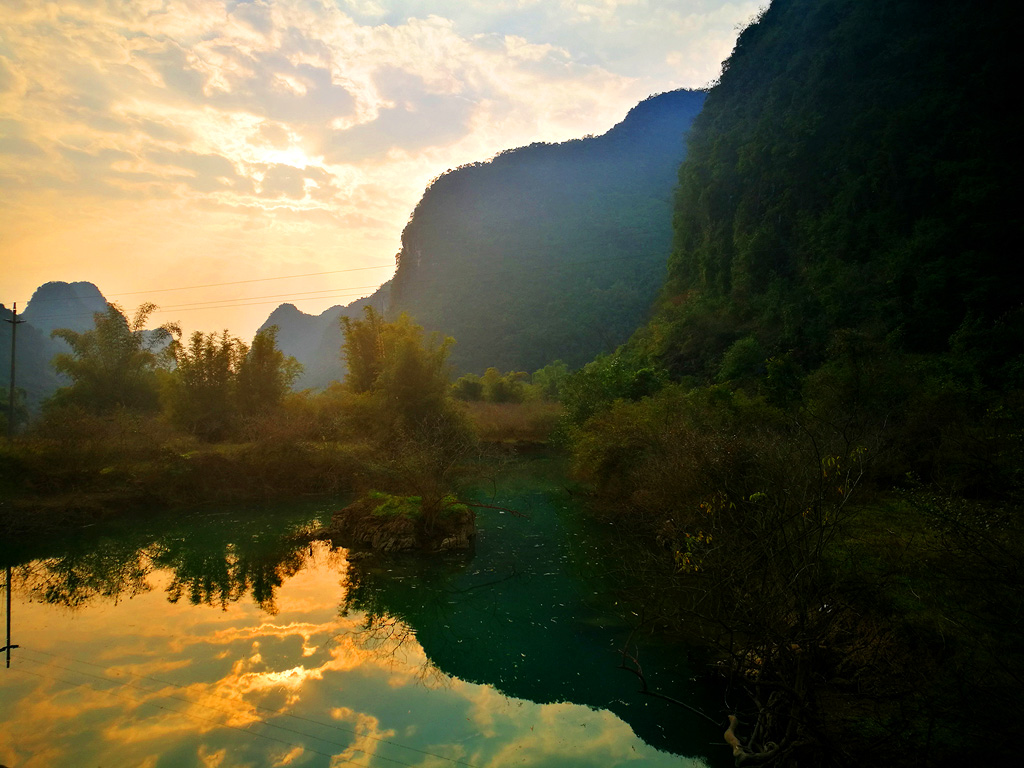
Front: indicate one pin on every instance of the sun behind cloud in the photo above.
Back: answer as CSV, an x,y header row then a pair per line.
x,y
162,144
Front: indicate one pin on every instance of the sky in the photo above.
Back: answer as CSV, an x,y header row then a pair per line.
x,y
220,158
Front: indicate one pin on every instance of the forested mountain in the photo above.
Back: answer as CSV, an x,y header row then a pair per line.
x,y
818,435
551,250
851,170
315,340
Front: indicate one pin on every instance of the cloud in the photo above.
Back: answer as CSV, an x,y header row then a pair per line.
x,y
20,147
297,118
296,183
256,14
204,172
8,79
416,117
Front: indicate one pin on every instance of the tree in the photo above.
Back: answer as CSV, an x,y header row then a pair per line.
x,y
112,365
265,375
399,378
469,387
406,371
362,350
549,380
200,394
508,388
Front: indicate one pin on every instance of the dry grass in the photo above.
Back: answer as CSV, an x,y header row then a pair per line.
x,y
529,422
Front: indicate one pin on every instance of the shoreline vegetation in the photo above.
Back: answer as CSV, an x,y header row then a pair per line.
x,y
211,419
819,536
125,463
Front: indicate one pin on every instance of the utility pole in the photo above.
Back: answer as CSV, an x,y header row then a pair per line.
x,y
15,322
8,648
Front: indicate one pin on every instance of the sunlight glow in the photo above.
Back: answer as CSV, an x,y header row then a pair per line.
x,y
144,146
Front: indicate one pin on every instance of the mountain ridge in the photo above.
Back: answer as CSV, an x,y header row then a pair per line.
x,y
550,250
565,242
315,340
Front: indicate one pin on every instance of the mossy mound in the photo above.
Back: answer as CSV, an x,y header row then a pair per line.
x,y
388,523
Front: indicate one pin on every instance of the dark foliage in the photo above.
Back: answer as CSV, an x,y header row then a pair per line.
x,y
851,171
815,442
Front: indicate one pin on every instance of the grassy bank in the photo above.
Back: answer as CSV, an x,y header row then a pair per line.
x,y
58,476
531,422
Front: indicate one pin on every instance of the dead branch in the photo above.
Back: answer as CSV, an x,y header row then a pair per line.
x,y
645,689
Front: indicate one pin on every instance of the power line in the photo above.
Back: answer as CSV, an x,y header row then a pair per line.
x,y
276,296
233,282
330,294
254,280
296,296
354,291
338,271
191,308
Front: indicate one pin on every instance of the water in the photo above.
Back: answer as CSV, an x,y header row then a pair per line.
x,y
219,639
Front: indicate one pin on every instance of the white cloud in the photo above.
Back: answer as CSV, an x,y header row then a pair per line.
x,y
326,118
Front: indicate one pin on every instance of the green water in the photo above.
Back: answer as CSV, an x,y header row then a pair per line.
x,y
215,638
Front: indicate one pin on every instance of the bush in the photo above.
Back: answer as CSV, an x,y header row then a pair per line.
x,y
533,421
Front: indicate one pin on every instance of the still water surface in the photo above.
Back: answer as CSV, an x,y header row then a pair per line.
x,y
216,639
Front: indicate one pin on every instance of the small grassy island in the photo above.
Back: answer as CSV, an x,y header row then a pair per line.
x,y
388,523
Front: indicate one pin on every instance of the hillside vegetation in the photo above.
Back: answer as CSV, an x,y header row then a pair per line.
x,y
552,251
814,445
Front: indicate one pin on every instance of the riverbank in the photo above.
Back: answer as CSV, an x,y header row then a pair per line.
x,y
913,622
128,463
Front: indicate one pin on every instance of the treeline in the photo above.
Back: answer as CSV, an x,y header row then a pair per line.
x,y
206,385
151,417
513,386
813,450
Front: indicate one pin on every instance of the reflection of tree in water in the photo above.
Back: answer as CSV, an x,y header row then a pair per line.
x,y
221,573
111,569
389,619
209,565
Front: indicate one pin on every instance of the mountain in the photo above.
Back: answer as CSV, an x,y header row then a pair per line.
x,y
64,305
851,171
53,305
315,340
547,251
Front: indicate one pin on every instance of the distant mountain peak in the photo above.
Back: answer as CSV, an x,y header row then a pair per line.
x,y
58,304
283,312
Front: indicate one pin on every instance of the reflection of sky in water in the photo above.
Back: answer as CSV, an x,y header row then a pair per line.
x,y
141,681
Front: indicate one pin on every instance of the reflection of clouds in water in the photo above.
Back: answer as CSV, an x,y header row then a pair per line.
x,y
131,706
194,685
305,630
288,757
212,758
554,734
369,735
